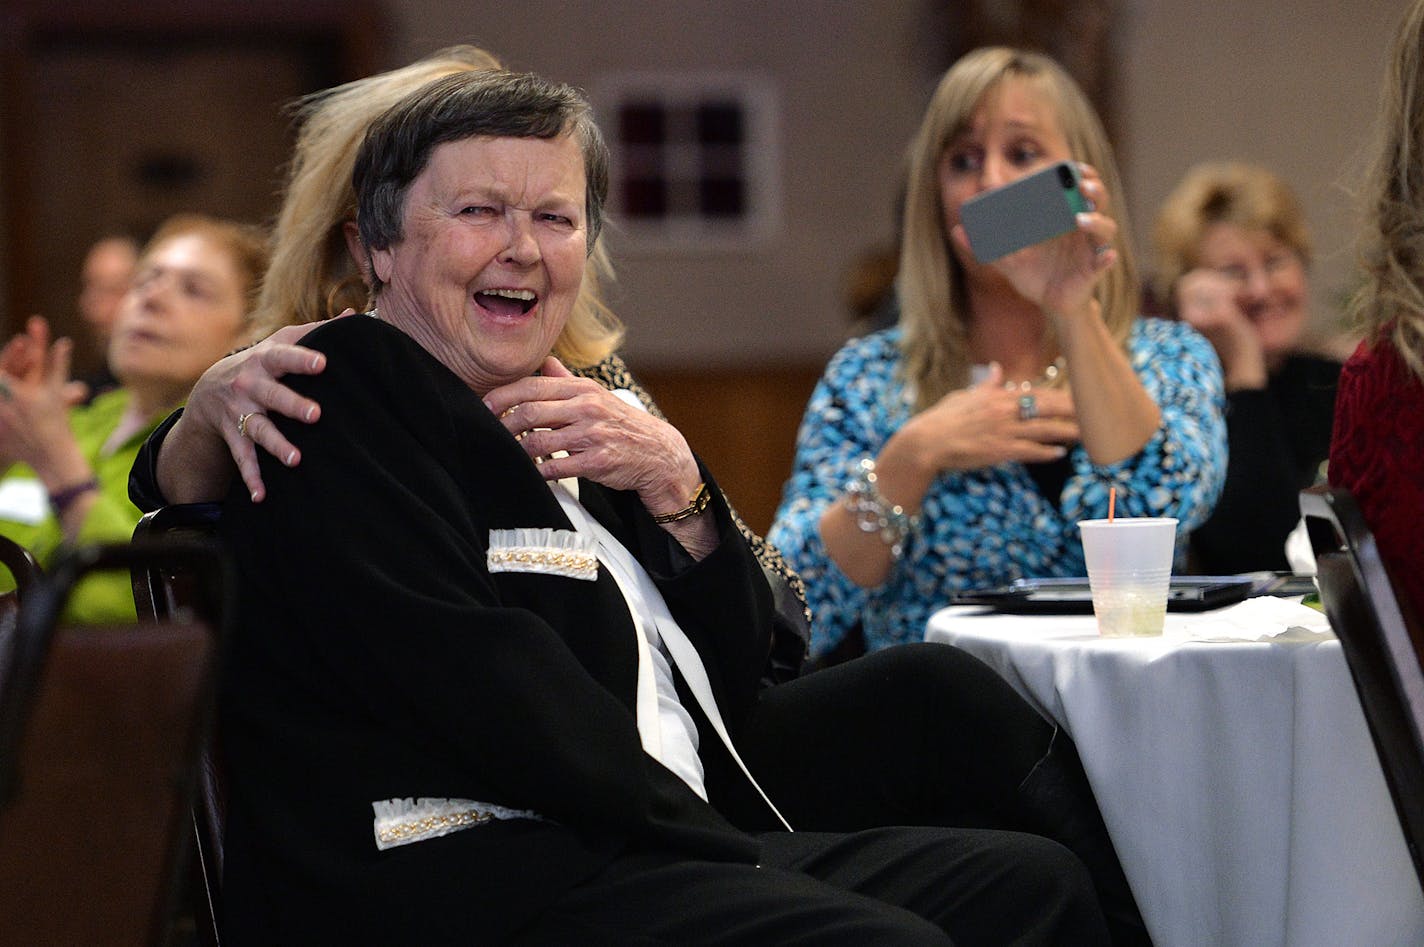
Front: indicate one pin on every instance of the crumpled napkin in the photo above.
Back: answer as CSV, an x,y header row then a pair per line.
x,y
1299,553
1264,618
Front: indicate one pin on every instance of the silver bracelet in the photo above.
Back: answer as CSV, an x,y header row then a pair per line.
x,y
874,513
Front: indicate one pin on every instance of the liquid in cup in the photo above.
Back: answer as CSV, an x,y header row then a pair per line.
x,y
1129,569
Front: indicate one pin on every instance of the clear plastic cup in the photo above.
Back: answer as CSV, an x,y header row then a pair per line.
x,y
1129,569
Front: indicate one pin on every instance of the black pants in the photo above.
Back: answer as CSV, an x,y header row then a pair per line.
x,y
889,767
923,734
890,886
920,734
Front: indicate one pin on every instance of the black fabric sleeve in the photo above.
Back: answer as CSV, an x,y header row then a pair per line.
x,y
143,476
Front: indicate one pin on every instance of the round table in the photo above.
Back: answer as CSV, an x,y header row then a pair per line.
x,y
1238,779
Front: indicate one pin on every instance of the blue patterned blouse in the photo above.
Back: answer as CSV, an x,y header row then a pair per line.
x,y
989,526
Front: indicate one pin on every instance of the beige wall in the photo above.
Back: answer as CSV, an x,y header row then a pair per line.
x,y
1288,82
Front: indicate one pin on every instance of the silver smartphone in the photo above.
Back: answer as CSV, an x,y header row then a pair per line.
x,y
1031,210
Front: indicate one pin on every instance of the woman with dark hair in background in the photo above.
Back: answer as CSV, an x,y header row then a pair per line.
x,y
104,279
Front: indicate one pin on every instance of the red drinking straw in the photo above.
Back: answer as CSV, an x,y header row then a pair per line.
x,y
1112,502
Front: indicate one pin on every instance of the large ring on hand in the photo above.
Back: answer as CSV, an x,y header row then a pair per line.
x,y
242,420
1028,408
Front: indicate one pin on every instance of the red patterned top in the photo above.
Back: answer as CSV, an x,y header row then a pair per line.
x,y
1377,453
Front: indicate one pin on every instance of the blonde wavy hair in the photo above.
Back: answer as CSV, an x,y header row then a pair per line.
x,y
312,276
1390,302
933,300
1244,195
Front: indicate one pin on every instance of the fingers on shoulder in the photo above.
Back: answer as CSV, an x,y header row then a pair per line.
x,y
283,359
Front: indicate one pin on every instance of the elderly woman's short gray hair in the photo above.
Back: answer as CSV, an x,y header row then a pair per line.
x,y
492,103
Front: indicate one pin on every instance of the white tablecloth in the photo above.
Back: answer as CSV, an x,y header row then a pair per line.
x,y
1238,779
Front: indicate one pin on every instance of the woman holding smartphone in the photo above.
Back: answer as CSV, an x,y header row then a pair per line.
x,y
959,448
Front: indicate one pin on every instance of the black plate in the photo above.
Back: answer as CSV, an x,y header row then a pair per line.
x,y
1071,596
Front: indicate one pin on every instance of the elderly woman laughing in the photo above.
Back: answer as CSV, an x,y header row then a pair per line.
x,y
500,637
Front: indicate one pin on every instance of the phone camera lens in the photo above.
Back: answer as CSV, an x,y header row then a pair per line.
x,y
1065,176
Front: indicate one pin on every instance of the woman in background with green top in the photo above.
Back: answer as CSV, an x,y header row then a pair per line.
x,y
66,470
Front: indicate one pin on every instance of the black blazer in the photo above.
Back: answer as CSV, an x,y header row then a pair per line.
x,y
378,657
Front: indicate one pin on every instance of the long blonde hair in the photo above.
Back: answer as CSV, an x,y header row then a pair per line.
x,y
1390,303
312,276
933,299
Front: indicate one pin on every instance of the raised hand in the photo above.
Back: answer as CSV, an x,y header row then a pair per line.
x,y
574,427
989,424
35,398
1207,301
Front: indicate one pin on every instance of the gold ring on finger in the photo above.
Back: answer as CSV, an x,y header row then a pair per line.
x,y
242,420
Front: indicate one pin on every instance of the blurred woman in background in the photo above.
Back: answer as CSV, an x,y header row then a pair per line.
x,y
1233,258
104,279
67,476
959,449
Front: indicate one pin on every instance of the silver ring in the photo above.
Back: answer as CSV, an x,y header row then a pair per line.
x,y
242,420
1028,408
1101,249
